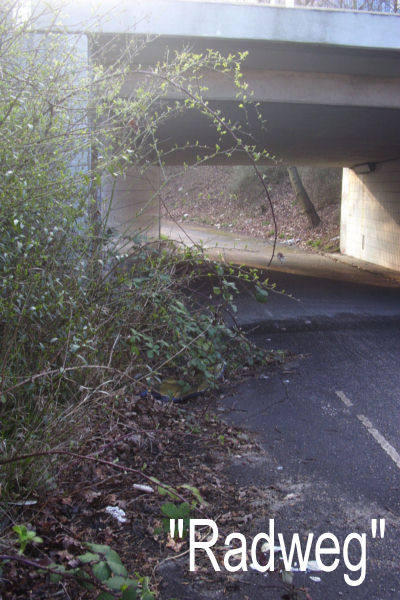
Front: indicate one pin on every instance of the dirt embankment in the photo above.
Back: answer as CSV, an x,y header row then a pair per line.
x,y
231,198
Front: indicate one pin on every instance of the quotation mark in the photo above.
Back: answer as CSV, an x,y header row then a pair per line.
x,y
374,525
172,527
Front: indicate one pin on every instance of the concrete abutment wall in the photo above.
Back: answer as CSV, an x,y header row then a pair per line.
x,y
370,215
132,202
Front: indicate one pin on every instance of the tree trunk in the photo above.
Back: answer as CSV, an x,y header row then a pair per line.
x,y
303,197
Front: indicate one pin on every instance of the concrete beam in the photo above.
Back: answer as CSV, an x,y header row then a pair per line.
x,y
291,87
299,134
235,21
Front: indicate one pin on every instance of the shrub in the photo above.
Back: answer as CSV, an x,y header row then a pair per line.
x,y
75,322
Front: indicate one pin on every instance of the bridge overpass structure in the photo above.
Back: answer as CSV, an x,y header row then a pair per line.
x,y
328,87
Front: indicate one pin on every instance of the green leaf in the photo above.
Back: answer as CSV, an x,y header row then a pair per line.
x,y
101,571
117,583
183,510
115,564
261,294
105,596
57,567
37,539
195,492
130,593
86,585
101,548
88,557
170,510
54,578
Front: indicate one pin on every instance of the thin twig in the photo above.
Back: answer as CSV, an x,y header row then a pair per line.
x,y
60,371
225,125
92,459
37,565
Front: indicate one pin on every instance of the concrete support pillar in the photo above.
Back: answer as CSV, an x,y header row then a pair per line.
x,y
132,202
370,215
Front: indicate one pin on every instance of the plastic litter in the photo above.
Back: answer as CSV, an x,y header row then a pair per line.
x,y
117,513
143,488
316,579
169,390
287,577
23,503
266,548
312,566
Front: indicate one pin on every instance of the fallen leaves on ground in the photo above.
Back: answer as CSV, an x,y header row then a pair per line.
x,y
181,446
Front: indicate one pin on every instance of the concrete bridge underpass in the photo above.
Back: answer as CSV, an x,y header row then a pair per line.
x,y
328,87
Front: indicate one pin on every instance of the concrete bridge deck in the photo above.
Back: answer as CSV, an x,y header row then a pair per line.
x,y
328,84
328,81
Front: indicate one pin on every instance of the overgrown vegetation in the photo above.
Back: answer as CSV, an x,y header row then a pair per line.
x,y
82,315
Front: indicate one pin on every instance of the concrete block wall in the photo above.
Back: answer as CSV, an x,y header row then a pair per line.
x,y
132,202
370,215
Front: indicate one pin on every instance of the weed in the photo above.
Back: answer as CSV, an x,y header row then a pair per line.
x,y
331,247
314,243
99,568
174,511
25,537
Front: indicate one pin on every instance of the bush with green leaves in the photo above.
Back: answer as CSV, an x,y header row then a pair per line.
x,y
99,569
102,566
85,313
79,316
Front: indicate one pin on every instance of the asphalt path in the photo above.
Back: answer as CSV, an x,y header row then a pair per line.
x,y
328,421
288,259
313,303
